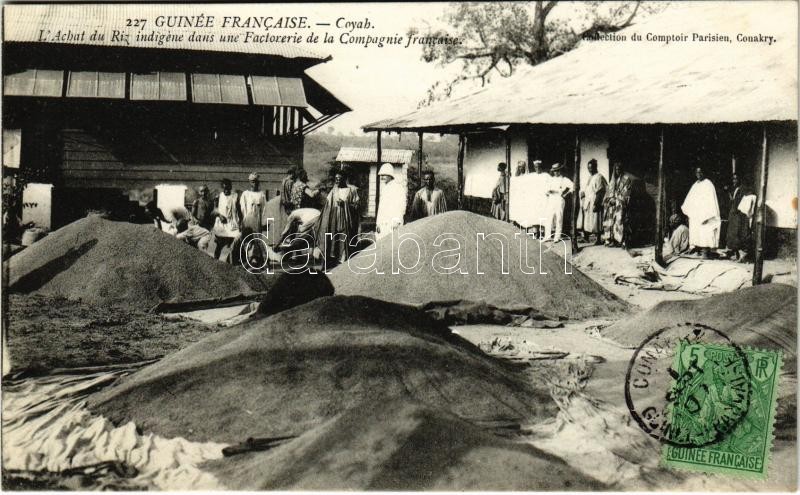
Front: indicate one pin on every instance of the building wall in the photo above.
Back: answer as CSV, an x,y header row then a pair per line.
x,y
782,178
483,152
594,144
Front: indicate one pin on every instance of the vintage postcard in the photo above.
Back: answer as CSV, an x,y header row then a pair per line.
x,y
485,246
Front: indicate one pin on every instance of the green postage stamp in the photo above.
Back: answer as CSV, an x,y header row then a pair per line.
x,y
714,393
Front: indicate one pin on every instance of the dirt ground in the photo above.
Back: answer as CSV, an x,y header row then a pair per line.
x,y
594,432
48,332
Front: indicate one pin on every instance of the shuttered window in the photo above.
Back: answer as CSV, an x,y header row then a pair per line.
x,y
219,88
168,86
34,82
96,85
278,91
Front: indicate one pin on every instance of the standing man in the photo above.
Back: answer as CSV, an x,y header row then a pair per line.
x,y
302,196
253,204
203,208
429,200
702,208
591,221
226,226
287,185
339,220
392,205
558,188
738,236
616,228
499,194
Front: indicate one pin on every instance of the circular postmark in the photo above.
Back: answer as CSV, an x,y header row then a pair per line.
x,y
688,385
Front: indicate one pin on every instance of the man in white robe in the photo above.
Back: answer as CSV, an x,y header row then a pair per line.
x,y
391,202
531,191
558,188
591,212
702,208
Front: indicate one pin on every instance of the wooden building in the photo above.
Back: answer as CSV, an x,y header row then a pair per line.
x,y
105,122
364,166
662,108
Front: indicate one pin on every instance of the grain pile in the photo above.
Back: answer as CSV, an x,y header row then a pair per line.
x,y
548,289
399,446
763,316
104,262
287,373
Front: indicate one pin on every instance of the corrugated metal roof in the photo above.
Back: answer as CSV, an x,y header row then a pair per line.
x,y
647,82
23,23
370,155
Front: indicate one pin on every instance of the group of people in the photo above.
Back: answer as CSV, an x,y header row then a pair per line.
x,y
535,199
303,216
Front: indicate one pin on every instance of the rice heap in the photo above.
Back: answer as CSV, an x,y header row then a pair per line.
x,y
763,316
287,373
397,446
103,262
547,289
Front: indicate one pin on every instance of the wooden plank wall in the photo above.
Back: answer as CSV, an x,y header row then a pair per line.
x,y
143,160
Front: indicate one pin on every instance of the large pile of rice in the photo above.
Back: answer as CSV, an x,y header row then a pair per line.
x,y
400,445
287,373
763,316
549,289
103,262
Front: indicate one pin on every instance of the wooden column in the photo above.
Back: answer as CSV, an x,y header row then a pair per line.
x,y
377,177
576,193
507,199
419,161
300,137
660,203
761,212
462,141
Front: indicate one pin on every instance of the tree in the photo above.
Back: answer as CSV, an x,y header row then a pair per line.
x,y
496,37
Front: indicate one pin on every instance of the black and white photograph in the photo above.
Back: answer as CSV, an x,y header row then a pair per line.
x,y
489,246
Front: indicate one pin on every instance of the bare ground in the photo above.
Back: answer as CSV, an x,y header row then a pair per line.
x,y
49,332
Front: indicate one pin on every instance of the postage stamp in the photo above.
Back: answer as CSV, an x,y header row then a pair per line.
x,y
707,398
654,382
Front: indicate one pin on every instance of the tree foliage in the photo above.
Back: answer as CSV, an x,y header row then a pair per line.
x,y
499,36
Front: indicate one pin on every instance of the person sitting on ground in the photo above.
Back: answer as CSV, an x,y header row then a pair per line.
x,y
679,239
429,200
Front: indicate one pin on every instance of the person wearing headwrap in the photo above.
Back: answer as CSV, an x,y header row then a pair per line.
x,y
679,239
252,204
302,196
392,204
339,221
